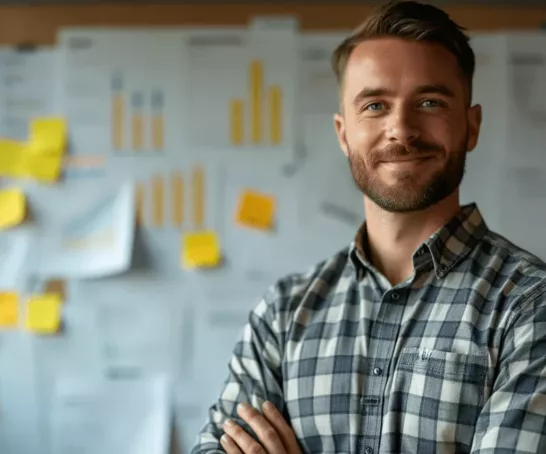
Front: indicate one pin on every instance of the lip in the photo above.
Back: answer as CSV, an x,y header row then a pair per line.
x,y
411,158
408,161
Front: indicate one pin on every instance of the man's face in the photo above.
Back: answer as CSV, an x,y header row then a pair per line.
x,y
405,124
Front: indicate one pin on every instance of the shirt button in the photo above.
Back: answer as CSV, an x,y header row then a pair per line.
x,y
377,371
421,251
368,450
395,296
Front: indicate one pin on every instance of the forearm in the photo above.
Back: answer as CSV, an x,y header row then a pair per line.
x,y
254,377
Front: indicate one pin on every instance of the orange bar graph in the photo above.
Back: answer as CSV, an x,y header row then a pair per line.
x,y
158,122
158,194
236,122
138,132
256,94
275,115
117,122
157,132
117,113
140,204
137,122
198,183
177,200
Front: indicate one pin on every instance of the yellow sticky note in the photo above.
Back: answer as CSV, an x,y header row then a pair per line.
x,y
12,208
44,313
256,210
41,156
49,133
9,310
42,163
200,250
12,155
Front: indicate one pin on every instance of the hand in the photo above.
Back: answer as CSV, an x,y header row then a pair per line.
x,y
275,435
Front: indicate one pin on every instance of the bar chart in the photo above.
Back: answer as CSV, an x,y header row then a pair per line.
x,y
264,116
137,118
176,200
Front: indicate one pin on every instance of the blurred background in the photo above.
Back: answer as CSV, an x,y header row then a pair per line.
x,y
162,165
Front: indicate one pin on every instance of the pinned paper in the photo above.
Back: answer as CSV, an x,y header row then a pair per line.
x,y
256,210
200,250
12,208
9,310
44,313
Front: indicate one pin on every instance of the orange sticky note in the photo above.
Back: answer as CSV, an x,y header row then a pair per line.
x,y
9,310
44,313
12,208
256,210
200,250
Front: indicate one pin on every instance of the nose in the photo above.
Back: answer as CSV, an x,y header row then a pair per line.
x,y
402,126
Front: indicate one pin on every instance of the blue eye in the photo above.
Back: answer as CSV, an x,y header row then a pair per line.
x,y
374,106
431,103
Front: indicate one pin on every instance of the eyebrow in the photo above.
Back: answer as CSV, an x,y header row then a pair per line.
x,y
366,93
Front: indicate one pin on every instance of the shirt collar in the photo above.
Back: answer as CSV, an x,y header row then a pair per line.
x,y
447,246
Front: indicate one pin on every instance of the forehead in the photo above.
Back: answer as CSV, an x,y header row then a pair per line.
x,y
400,65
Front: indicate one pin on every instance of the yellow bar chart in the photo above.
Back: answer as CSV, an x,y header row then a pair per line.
x,y
275,115
158,123
158,198
265,112
118,113
198,190
177,199
164,196
256,94
137,118
137,122
237,122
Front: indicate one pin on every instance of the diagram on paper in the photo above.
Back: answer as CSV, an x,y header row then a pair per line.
x,y
240,98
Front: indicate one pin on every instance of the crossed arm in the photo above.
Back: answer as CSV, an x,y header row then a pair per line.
x,y
513,419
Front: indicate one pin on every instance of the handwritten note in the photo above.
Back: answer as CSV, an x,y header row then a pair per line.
x,y
200,250
9,309
256,210
12,208
44,313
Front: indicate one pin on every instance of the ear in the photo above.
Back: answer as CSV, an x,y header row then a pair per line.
x,y
339,126
474,124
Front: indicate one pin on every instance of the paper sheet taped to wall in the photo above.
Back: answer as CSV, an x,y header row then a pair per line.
x,y
110,416
96,242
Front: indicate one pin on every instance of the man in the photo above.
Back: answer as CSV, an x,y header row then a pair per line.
x,y
428,334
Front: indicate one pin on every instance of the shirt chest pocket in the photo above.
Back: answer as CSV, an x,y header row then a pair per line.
x,y
438,395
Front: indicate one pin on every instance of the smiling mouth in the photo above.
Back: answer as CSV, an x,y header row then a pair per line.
x,y
407,162
412,159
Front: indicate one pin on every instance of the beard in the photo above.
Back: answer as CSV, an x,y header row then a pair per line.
x,y
408,193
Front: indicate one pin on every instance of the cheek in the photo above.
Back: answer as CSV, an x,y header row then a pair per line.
x,y
364,135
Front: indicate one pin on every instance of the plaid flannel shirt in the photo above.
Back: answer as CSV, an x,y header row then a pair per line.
x,y
452,360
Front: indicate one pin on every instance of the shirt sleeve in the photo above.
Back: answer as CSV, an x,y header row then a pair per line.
x,y
514,418
254,377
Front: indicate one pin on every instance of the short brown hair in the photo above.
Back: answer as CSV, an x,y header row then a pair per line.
x,y
410,20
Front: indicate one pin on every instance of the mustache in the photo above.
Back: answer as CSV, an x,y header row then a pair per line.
x,y
397,150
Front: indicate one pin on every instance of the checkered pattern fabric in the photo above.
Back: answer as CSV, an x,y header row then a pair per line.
x,y
452,360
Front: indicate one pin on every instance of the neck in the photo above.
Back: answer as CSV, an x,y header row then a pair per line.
x,y
394,237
